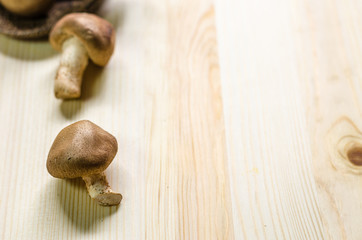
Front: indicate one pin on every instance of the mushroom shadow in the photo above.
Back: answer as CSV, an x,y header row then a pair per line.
x,y
92,81
91,86
70,108
26,49
80,209
115,14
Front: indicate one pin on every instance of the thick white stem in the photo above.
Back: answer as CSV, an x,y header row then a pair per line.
x,y
98,188
73,62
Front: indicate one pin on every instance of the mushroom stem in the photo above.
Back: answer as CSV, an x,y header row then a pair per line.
x,y
73,62
98,188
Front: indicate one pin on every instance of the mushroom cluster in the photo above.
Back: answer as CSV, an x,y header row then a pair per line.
x,y
84,150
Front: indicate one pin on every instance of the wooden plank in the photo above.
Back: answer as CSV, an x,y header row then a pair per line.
x,y
187,189
257,149
269,152
159,95
37,206
330,66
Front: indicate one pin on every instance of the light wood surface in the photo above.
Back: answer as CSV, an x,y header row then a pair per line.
x,y
234,120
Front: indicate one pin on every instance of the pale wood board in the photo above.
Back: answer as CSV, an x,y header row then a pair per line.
x,y
233,120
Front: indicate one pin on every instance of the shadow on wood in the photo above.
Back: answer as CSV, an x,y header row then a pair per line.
x,y
91,87
26,50
70,108
65,206
92,81
78,207
115,14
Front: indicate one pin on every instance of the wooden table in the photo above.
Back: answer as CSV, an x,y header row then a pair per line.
x,y
234,119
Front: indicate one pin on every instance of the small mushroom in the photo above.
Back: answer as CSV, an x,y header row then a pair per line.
x,y
27,8
85,150
79,36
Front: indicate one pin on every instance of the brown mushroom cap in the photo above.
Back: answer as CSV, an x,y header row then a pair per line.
x,y
27,8
81,149
96,34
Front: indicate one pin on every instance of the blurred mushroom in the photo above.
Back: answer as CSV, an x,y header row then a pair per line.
x,y
85,150
27,8
79,36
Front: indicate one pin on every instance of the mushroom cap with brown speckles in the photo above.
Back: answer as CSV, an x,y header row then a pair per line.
x,y
81,149
96,34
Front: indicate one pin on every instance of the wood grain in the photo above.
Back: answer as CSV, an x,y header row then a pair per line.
x,y
160,96
274,194
235,120
187,189
330,66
